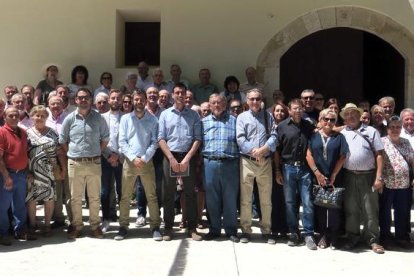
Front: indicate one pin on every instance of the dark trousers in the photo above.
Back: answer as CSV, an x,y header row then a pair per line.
x,y
279,223
109,175
170,188
401,200
328,220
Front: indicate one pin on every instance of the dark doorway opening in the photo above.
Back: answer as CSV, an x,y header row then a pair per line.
x,y
344,63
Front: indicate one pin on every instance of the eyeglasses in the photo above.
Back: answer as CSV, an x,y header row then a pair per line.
x,y
308,98
331,120
81,98
258,99
235,107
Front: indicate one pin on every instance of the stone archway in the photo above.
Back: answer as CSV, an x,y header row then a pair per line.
x,y
268,63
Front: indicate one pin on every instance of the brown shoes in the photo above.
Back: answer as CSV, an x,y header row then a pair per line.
x,y
74,233
97,233
168,235
194,235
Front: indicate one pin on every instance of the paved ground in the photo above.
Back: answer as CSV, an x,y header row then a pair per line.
x,y
140,255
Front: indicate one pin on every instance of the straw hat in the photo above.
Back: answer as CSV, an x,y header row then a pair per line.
x,y
350,106
47,66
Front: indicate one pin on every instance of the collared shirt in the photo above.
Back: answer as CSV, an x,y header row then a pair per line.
x,y
251,131
219,136
26,122
143,82
361,157
409,136
202,92
56,123
293,139
245,87
179,129
112,121
158,111
138,137
100,89
84,135
14,145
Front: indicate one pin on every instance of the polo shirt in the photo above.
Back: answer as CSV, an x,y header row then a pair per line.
x,y
13,143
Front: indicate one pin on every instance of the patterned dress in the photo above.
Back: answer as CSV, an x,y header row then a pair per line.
x,y
42,158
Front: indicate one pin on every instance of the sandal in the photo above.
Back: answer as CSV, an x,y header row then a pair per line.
x,y
377,248
323,242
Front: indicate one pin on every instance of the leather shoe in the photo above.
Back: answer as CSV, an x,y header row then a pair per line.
x,y
97,233
72,235
211,236
25,236
194,235
168,235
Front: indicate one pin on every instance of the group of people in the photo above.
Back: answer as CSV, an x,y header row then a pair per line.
x,y
223,151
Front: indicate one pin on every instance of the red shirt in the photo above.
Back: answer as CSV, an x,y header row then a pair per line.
x,y
14,147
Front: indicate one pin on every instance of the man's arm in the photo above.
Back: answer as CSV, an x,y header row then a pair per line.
x,y
186,161
166,150
8,182
378,183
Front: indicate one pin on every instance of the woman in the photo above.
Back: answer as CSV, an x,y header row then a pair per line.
x,y
333,105
397,192
44,87
377,119
279,112
326,155
106,83
231,90
130,83
366,118
79,78
126,103
44,154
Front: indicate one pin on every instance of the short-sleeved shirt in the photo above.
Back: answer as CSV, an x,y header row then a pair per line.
x,y
179,128
396,171
361,157
14,145
293,139
84,135
56,123
202,92
326,155
46,89
219,136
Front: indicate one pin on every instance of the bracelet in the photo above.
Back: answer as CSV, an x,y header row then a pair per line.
x,y
314,169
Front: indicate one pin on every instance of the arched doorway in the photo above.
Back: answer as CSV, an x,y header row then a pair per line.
x,y
344,63
351,17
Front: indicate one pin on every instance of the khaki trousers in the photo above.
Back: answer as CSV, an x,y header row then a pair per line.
x,y
249,170
129,175
81,174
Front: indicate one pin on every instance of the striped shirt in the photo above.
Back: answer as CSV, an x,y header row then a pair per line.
x,y
361,157
219,136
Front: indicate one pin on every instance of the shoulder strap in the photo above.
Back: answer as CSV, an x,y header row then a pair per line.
x,y
403,156
366,139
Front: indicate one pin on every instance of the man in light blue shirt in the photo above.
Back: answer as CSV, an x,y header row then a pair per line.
x,y
138,142
179,137
84,135
256,138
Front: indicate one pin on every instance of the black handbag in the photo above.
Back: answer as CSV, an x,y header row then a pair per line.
x,y
328,197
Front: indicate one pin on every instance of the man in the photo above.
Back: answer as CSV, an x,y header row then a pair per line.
x,y
18,101
130,83
84,136
221,169
9,91
319,101
28,91
153,108
106,83
179,138
138,142
68,103
293,172
407,117
13,169
111,161
204,89
308,100
101,102
388,104
362,178
251,81
175,71
158,81
55,121
256,139
164,99
189,99
143,77
205,109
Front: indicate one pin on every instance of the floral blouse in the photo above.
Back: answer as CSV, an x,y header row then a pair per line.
x,y
396,172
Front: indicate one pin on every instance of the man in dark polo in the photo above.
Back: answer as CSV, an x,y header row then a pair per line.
x,y
84,135
13,169
293,172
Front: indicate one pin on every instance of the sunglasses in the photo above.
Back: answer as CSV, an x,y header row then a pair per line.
x,y
235,107
331,120
308,98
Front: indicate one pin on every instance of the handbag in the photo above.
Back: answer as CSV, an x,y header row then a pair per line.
x,y
328,197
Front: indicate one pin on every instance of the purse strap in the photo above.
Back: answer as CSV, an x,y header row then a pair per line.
x,y
366,139
402,155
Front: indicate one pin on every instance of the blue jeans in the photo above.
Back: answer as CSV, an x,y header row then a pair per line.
x,y
221,184
109,174
15,197
298,180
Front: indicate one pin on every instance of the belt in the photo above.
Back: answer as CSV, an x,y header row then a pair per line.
x,y
85,159
219,158
251,158
360,172
16,171
296,163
